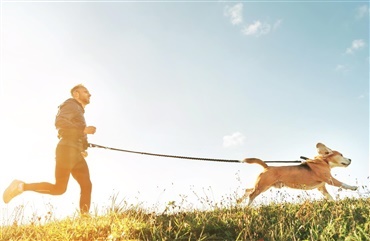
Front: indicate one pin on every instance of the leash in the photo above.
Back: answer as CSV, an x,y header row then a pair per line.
x,y
186,157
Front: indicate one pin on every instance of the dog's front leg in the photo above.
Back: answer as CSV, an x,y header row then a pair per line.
x,y
346,186
334,182
325,192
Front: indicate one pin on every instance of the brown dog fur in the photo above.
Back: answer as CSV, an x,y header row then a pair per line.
x,y
308,175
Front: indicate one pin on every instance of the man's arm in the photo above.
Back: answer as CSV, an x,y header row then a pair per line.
x,y
90,130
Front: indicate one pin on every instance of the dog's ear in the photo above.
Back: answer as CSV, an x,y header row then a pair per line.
x,y
323,150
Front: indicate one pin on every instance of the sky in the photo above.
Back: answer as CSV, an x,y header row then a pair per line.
x,y
214,79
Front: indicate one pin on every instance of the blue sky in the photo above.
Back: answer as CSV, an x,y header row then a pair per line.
x,y
206,79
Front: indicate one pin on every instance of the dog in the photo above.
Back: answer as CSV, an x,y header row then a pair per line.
x,y
311,174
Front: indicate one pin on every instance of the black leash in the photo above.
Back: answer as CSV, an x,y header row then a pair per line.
x,y
187,157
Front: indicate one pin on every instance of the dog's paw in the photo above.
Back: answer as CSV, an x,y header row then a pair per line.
x,y
349,187
353,188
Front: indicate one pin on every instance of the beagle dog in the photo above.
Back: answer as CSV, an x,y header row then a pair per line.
x,y
311,174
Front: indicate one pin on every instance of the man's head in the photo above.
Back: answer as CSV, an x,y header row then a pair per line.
x,y
81,94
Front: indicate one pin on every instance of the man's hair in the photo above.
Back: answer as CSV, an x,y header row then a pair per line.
x,y
76,88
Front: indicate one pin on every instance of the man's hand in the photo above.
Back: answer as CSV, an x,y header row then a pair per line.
x,y
90,130
84,154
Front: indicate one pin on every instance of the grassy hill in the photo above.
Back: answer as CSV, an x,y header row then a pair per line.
x,y
347,219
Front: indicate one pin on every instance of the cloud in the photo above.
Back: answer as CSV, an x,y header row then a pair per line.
x,y
362,11
258,28
342,68
234,13
235,139
356,45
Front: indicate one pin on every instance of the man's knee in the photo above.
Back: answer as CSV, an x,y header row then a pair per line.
x,y
59,190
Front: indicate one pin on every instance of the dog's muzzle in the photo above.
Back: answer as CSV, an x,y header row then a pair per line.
x,y
347,164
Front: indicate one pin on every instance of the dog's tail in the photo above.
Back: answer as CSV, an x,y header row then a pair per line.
x,y
256,161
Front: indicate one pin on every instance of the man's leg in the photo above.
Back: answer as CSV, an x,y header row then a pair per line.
x,y
63,165
82,175
60,186
65,156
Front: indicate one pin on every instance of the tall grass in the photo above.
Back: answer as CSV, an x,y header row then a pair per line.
x,y
347,219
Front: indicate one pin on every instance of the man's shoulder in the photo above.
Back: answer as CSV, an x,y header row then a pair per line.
x,y
69,102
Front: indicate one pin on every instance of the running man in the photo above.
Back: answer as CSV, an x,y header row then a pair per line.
x,y
70,152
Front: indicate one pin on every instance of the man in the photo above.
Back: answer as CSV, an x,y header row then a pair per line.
x,y
70,152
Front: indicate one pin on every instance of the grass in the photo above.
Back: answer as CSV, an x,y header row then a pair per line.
x,y
346,219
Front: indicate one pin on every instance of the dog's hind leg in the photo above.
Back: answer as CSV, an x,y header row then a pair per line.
x,y
325,192
257,191
264,181
246,194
